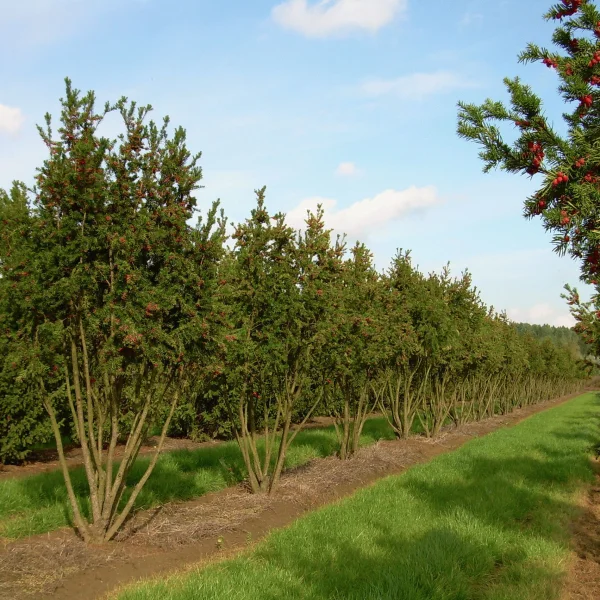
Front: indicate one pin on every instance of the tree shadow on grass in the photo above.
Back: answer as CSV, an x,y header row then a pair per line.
x,y
444,561
440,564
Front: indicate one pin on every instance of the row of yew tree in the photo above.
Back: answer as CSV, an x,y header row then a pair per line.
x,y
115,311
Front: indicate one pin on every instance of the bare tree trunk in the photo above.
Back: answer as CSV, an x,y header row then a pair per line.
x,y
90,411
78,521
119,519
351,420
264,475
442,402
402,400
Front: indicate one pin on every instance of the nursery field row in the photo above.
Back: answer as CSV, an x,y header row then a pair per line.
x,y
36,504
488,521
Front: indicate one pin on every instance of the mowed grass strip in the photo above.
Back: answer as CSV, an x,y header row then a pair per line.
x,y
38,503
488,521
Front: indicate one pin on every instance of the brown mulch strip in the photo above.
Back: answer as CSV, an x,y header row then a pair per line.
x,y
583,578
60,566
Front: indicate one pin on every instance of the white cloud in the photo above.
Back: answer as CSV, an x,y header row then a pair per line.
x,y
370,215
347,169
11,119
35,22
471,18
330,17
541,314
416,85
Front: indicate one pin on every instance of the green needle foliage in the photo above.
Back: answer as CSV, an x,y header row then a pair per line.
x,y
106,297
567,166
117,315
23,421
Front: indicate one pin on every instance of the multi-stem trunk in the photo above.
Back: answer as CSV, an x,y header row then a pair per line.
x,y
265,467
357,405
401,399
95,412
461,410
442,400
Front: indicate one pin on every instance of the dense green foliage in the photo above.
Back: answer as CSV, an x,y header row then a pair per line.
x,y
23,420
118,316
487,521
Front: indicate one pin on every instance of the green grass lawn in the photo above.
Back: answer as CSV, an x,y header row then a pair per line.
x,y
38,503
488,521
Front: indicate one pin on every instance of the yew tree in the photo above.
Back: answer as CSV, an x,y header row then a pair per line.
x,y
23,420
276,303
565,162
107,291
406,373
358,349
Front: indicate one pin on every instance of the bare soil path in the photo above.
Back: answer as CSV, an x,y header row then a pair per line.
x,y
59,566
583,581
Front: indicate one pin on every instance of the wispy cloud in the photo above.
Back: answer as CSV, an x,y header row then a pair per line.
x,y
11,119
541,314
38,22
370,215
333,17
416,85
347,169
471,18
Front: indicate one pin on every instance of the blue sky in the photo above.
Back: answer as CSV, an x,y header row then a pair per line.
x,y
351,103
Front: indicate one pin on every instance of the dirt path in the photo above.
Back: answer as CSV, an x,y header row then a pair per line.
x,y
583,580
59,566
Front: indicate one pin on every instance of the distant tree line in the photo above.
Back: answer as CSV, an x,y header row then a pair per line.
x,y
561,336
